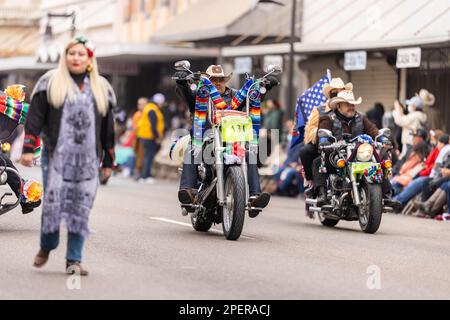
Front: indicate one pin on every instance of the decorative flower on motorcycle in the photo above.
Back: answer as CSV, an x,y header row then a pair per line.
x,y
32,191
16,92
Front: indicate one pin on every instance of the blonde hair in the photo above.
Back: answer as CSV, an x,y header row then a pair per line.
x,y
60,85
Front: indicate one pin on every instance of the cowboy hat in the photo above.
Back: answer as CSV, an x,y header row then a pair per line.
x,y
336,83
179,148
216,71
345,96
427,97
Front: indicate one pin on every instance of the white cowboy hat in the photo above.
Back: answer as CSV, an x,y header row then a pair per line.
x,y
216,71
427,97
177,154
345,96
336,83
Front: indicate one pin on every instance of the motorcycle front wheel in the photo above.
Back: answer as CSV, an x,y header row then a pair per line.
x,y
234,208
371,209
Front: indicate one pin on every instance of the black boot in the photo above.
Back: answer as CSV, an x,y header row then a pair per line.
x,y
259,201
322,197
28,207
186,196
394,204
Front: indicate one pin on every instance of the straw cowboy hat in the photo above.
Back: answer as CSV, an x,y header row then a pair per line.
x,y
179,149
336,83
345,96
216,71
427,97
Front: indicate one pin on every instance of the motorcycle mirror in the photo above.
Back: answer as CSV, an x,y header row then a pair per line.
x,y
385,132
182,65
263,90
324,133
274,69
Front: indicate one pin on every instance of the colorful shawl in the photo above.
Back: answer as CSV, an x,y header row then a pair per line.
x,y
14,109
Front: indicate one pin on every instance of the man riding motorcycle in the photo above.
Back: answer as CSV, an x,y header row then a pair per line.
x,y
345,120
309,150
189,180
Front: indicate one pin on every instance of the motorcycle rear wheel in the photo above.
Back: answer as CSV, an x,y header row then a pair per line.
x,y
327,222
201,224
234,208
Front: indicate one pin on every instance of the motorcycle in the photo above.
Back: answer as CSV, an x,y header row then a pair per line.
x,y
223,196
31,190
354,191
14,112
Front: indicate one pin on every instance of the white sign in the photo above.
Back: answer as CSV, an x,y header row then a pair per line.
x,y
409,58
355,60
275,60
243,65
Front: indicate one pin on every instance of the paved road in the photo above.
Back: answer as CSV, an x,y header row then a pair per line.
x,y
142,248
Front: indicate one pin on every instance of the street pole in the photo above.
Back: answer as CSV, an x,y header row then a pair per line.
x,y
290,101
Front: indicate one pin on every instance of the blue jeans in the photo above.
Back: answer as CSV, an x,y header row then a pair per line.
x,y
290,182
75,243
150,150
446,187
189,175
44,166
397,188
413,189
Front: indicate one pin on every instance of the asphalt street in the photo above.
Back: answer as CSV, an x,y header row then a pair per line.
x,y
142,248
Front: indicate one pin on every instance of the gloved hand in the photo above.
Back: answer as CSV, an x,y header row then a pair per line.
x,y
271,82
181,75
324,143
386,143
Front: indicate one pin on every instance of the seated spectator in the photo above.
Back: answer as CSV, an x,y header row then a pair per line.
x,y
411,167
425,176
446,188
420,135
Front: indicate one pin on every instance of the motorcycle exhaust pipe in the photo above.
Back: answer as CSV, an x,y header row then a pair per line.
x,y
219,169
356,198
315,209
311,202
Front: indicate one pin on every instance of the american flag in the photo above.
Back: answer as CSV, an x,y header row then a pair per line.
x,y
311,98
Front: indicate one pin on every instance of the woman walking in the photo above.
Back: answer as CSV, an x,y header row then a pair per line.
x,y
72,108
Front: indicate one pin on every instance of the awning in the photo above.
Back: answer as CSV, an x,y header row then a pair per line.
x,y
116,54
349,25
19,64
152,52
204,20
332,26
229,22
18,41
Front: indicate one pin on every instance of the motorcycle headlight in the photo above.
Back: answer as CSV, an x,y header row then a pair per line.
x,y
364,153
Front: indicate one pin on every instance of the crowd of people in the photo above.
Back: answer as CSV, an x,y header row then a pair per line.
x,y
73,110
421,154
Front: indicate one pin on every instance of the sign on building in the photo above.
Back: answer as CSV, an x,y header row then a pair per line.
x,y
355,61
409,58
243,65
